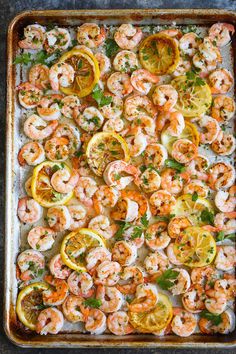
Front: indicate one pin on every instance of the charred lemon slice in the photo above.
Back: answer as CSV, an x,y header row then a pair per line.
x,y
190,132
159,54
41,188
86,72
103,148
195,247
154,320
30,303
194,96
75,246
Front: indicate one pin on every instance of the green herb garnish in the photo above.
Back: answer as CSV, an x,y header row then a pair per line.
x,y
100,98
166,280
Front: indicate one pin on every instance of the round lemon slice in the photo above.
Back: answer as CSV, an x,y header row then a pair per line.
x,y
87,72
159,54
103,148
193,99
190,132
195,247
41,188
75,246
29,303
154,320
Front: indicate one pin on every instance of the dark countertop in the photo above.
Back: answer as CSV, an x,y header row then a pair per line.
x,y
8,9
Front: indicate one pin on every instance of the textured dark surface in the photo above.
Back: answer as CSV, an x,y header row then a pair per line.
x,y
8,9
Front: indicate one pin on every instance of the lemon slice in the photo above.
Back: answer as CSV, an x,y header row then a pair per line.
x,y
193,100
103,148
154,320
195,247
29,303
185,206
87,72
190,132
75,246
41,188
159,54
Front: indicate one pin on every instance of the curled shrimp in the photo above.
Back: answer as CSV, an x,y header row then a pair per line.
x,y
31,153
175,121
221,175
108,273
34,37
137,106
226,222
57,149
70,106
57,39
59,218
29,95
150,180
104,64
183,66
57,294
31,264
226,326
102,225
37,129
174,33
177,225
156,236
205,66
184,323
196,186
91,35
105,197
203,276
41,238
119,174
129,233
118,323
220,81
126,210
142,81
155,155
97,255
61,74
95,321
130,278
119,84
70,133
223,108
147,125
225,201
29,211
58,268
194,299
111,298
226,258
71,308
124,253
125,61
197,168
183,151
63,181
224,144
146,297
114,109
90,120
113,125
209,51
80,284
85,190
48,107
220,33
140,199
228,285
39,76
156,262
216,301
137,141
181,283
170,183
189,43
171,255
210,128
165,97
162,202
78,216
50,320
127,36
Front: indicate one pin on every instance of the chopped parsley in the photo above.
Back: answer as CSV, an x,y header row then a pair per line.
x,y
195,196
175,165
92,302
111,47
166,280
100,98
207,217
215,319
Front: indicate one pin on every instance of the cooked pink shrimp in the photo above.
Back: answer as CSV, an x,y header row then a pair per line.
x,y
171,255
142,81
48,107
102,225
118,323
220,33
61,74
221,175
56,294
81,284
197,167
196,186
114,109
29,95
113,125
50,320
97,255
147,295
155,155
137,106
29,211
156,262
225,201
150,180
78,216
203,275
183,66
90,120
209,51
226,258
182,282
177,225
147,125
57,149
31,264
193,299
57,39
173,33
105,197
156,236
39,76
184,323
216,301
124,253
162,202
104,64
139,198
223,108
119,84
226,222
111,298
184,151
63,181
120,174
224,144
175,122
220,81
189,43
59,218
34,37
165,97
127,36
37,129
170,183
58,268
226,326
125,61
228,285
31,153
137,141
107,273
71,133
91,35
134,276
204,65
126,209
129,233
85,189
72,309
95,321
211,129
41,238
70,106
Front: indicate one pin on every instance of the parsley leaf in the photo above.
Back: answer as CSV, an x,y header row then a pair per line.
x,y
221,236
100,98
215,319
78,153
144,220
175,165
55,168
24,59
194,197
193,79
207,216
92,302
166,280
111,47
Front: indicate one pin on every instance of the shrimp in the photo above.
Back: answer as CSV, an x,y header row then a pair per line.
x,y
104,64
220,81
96,256
216,301
156,262
177,225
61,74
155,155
134,276
31,264
50,320
29,211
182,68
48,108
147,124
70,133
119,84
140,199
127,36
227,285
193,299
70,106
146,297
113,174
196,186
203,64
189,43
37,129
142,81
223,108
174,33
225,201
124,253
41,238
197,167
162,202
220,33
181,283
221,175
90,120
39,76
165,97
113,125
209,51
203,276
226,222
85,190
224,144
57,39
57,293
137,141
184,151
170,182
95,321
175,122
171,255
59,218
130,232
137,106
34,37
58,268
29,95
226,325
156,236
114,109
125,61
111,298
102,225
108,273
78,216
118,323
226,258
80,284
91,35
56,149
150,180
31,153
63,181
184,323
72,309
105,197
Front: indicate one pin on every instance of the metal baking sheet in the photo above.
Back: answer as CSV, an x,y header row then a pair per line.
x,y
14,331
